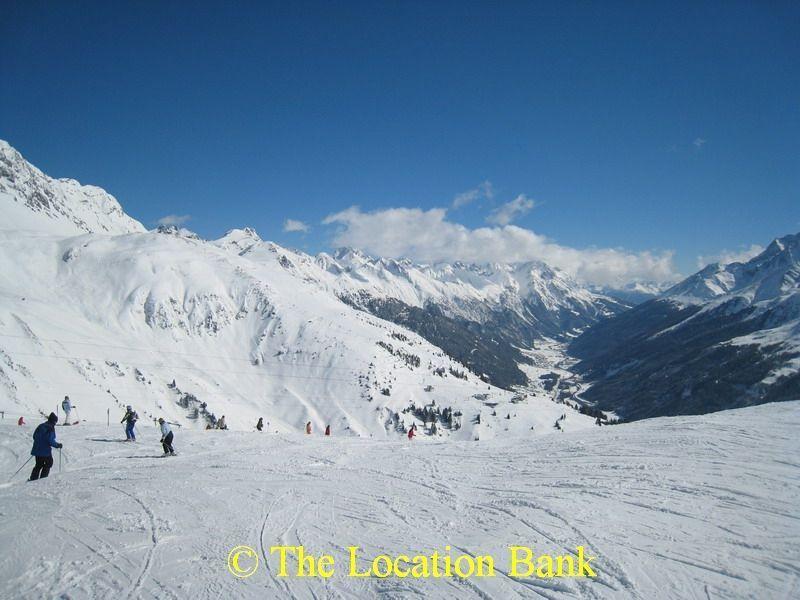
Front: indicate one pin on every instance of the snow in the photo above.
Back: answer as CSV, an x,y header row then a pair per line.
x,y
766,278
31,200
83,315
787,337
463,290
93,306
764,291
684,507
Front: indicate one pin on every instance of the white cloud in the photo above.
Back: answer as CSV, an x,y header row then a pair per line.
x,y
174,219
510,211
291,225
699,143
483,191
427,236
730,256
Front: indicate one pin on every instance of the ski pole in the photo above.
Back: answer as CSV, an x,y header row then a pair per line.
x,y
59,460
20,469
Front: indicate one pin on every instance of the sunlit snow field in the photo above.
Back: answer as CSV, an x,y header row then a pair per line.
x,y
688,507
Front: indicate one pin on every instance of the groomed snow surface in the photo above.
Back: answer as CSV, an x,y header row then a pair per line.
x,y
686,507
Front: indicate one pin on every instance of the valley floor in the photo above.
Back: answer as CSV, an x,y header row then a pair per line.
x,y
689,507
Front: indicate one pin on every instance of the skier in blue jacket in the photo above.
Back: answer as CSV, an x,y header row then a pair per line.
x,y
44,439
130,419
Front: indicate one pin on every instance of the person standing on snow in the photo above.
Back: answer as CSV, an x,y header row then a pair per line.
x,y
260,424
221,423
166,438
21,421
130,419
44,439
411,432
327,430
308,428
67,406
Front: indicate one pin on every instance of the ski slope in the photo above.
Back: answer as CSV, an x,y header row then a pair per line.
x,y
685,507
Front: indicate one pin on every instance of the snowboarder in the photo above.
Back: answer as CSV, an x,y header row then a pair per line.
x,y
327,430
21,421
67,406
130,419
221,423
308,428
260,424
166,438
44,439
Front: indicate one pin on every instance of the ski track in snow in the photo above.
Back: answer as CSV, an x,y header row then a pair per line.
x,y
688,507
149,556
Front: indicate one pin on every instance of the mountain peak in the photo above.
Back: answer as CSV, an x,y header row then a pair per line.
x,y
34,201
765,276
348,253
244,233
177,231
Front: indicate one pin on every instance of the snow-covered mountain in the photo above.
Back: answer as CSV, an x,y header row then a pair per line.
x,y
94,306
29,199
727,336
482,315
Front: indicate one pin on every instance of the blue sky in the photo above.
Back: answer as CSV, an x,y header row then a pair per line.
x,y
620,132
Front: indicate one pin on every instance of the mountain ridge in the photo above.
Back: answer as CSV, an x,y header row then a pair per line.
x,y
726,337
191,329
57,205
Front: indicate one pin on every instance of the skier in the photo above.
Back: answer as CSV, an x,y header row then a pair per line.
x,y
260,424
327,430
598,422
67,406
308,428
44,438
166,438
130,417
21,421
221,423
